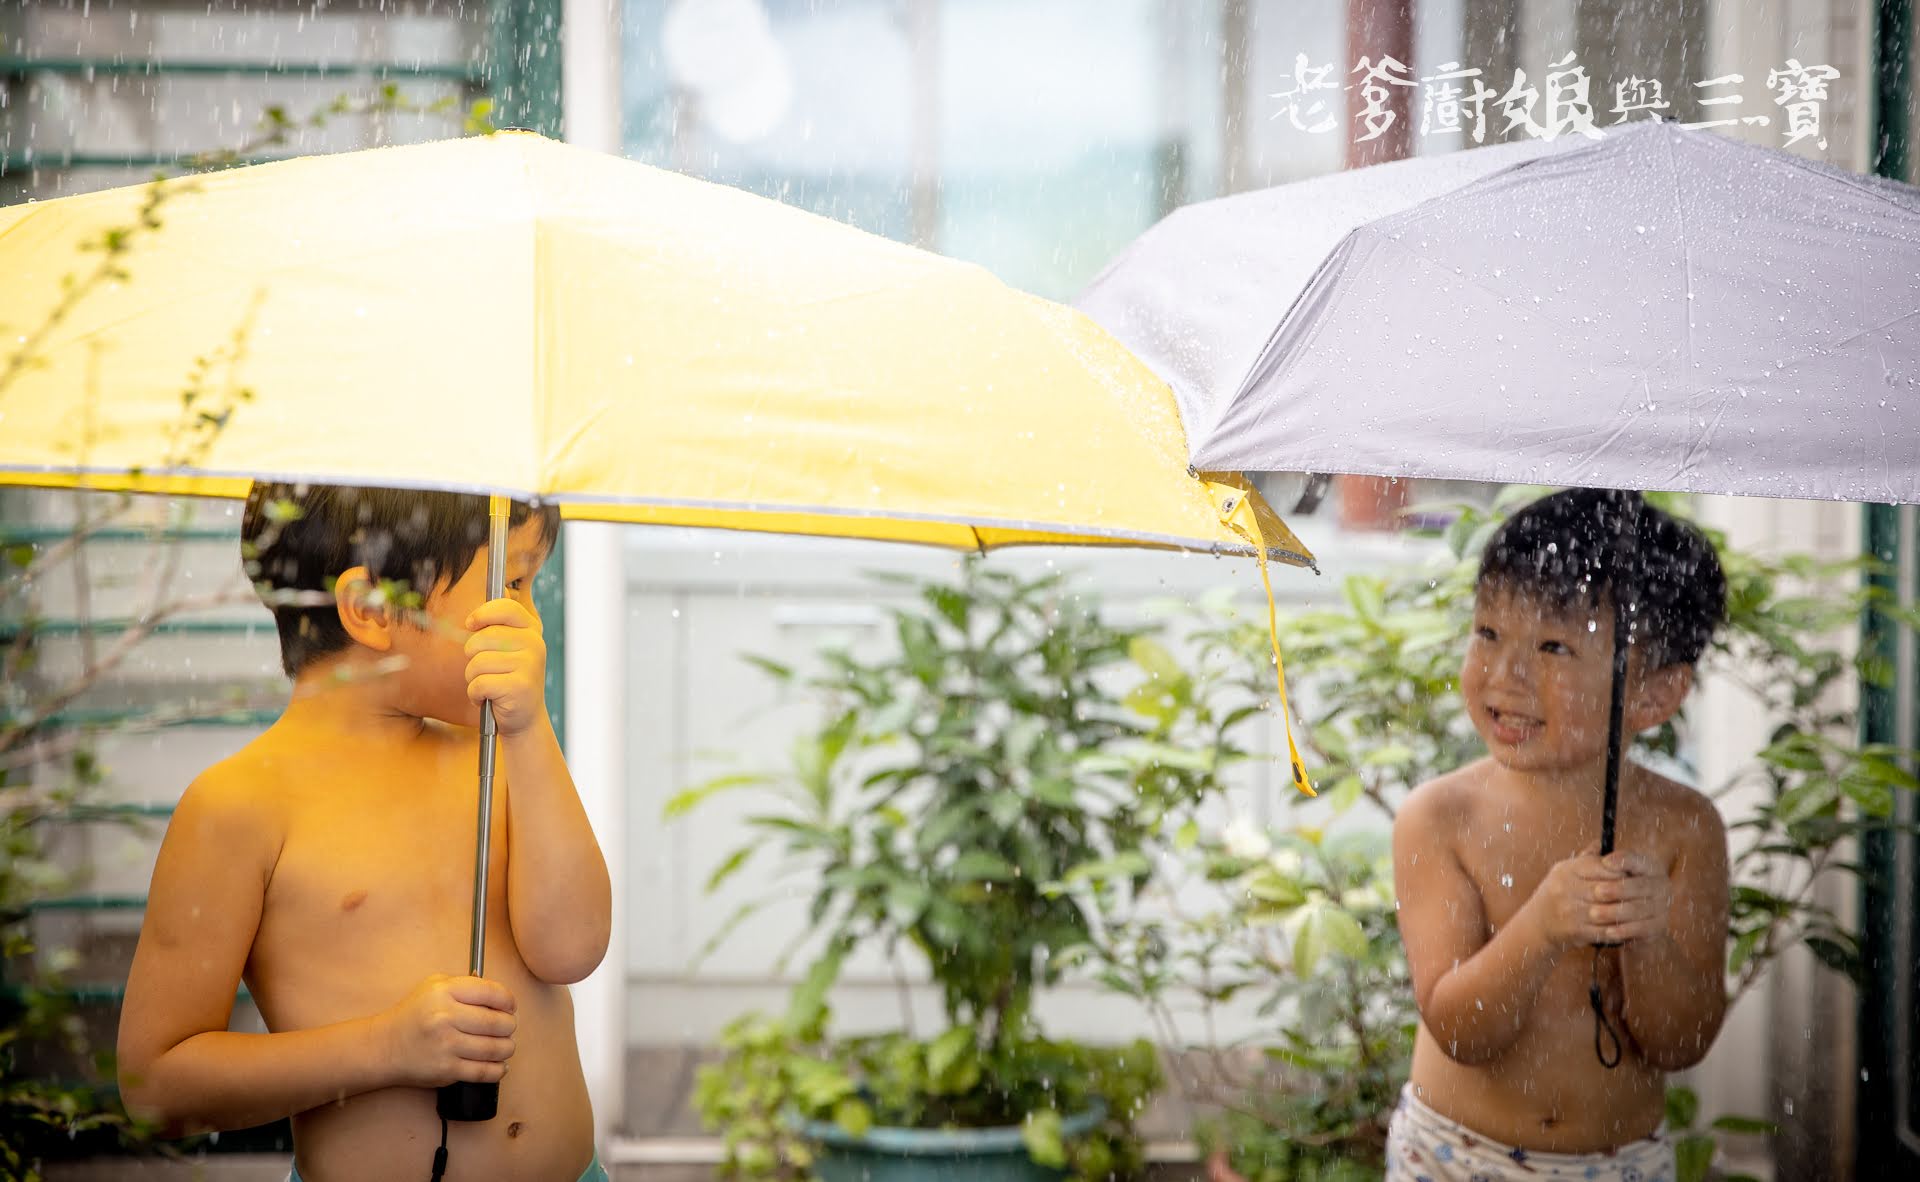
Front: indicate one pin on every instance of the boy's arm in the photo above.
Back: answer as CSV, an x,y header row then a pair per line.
x,y
179,1064
1675,979
1475,994
559,896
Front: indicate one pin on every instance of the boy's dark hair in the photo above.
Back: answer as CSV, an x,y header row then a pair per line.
x,y
300,537
1566,549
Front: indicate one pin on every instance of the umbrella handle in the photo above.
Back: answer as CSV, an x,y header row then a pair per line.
x,y
480,1101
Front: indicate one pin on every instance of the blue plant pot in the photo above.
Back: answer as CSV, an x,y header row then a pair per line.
x,y
936,1155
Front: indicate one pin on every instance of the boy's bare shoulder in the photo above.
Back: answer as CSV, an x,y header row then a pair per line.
x,y
1681,812
234,801
1441,805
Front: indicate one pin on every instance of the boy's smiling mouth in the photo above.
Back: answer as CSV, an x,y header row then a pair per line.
x,y
1512,727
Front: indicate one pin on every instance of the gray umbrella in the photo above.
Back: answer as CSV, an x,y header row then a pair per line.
x,y
1661,308
1658,309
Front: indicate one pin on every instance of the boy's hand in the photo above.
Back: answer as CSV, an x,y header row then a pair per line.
x,y
1643,900
507,664
1582,900
449,1029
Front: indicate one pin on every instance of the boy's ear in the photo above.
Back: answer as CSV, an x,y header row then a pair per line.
x,y
366,621
1661,691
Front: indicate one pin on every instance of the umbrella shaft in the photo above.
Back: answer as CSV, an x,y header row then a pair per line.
x,y
1622,583
497,518
477,943
1616,712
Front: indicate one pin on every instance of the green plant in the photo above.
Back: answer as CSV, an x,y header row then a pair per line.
x,y
1694,1148
1377,677
981,797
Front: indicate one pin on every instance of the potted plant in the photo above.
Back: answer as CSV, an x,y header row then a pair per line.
x,y
1301,920
979,798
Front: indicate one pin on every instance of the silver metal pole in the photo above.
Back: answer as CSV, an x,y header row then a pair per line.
x,y
498,509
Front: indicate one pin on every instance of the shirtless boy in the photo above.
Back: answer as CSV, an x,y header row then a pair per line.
x,y
1503,895
329,865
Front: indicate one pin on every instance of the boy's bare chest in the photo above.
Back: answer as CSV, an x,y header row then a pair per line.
x,y
382,869
1509,852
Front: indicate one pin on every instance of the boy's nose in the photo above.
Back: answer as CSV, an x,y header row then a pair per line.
x,y
1511,668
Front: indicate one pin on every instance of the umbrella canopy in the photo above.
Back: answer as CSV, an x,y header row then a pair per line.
x,y
1662,308
510,315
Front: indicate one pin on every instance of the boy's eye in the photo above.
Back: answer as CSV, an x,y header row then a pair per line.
x,y
1484,633
1554,646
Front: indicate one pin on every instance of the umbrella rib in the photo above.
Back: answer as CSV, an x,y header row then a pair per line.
x,y
1686,246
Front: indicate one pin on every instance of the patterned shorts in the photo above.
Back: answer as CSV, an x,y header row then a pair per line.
x,y
1423,1146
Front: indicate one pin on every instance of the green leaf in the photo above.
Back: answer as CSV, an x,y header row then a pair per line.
x,y
809,1001
769,666
1126,864
1366,594
1320,928
1838,957
953,1066
1187,836
952,603
1158,663
1692,1157
1389,755
907,901
726,869
1040,1132
683,802
1270,886
1683,1107
1344,794
853,1116
1152,699
981,866
1874,797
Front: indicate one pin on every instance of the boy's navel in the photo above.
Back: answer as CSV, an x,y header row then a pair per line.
x,y
352,900
513,1130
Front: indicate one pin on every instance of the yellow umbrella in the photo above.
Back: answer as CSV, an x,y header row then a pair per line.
x,y
513,316
507,314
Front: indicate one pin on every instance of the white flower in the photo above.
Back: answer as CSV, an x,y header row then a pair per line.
x,y
1287,864
1244,839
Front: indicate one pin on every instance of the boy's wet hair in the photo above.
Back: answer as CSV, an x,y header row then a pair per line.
x,y
300,537
1565,550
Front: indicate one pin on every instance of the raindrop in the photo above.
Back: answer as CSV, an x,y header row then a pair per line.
x,y
1506,880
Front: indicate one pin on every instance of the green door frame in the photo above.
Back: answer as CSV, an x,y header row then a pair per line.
x,y
521,74
1887,1105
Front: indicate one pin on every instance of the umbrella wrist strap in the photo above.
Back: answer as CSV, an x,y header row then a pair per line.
x,y
1606,1040
440,1154
1236,508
